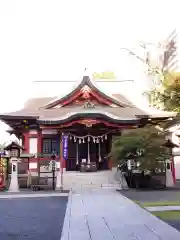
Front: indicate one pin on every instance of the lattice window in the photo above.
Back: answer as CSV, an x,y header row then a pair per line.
x,y
47,146
51,145
54,145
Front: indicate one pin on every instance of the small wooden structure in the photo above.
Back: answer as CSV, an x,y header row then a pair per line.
x,y
23,157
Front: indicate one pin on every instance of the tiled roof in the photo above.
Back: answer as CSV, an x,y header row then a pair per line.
x,y
119,112
35,103
122,99
35,107
55,113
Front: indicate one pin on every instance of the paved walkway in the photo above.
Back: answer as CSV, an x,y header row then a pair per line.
x,y
107,214
163,208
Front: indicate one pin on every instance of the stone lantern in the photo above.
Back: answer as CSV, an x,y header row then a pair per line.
x,y
169,163
14,150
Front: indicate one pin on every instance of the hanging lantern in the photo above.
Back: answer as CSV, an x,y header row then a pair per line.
x,y
70,137
79,140
74,139
105,137
83,140
88,139
94,140
102,140
97,141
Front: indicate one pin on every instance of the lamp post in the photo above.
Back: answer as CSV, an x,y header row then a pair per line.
x,y
14,152
53,157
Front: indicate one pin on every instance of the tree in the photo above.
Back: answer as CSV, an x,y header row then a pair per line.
x,y
171,94
165,94
161,95
160,75
147,141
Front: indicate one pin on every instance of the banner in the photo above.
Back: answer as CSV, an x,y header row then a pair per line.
x,y
65,146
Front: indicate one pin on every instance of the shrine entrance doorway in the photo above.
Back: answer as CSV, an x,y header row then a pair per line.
x,y
84,151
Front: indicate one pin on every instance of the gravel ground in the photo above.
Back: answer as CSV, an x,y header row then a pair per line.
x,y
32,218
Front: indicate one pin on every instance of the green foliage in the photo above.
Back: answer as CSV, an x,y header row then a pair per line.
x,y
167,95
155,98
171,97
146,139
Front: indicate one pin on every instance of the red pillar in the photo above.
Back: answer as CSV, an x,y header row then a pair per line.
x,y
26,141
109,163
39,142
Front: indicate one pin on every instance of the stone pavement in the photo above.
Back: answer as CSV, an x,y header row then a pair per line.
x,y
163,208
107,214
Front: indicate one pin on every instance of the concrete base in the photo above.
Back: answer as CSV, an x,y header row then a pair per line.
x,y
14,185
120,181
169,179
119,188
59,186
13,191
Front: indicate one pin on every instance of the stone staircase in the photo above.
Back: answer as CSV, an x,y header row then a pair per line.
x,y
89,180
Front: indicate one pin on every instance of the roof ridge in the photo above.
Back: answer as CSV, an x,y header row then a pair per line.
x,y
90,82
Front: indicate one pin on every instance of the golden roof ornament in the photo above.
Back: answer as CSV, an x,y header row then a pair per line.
x,y
89,104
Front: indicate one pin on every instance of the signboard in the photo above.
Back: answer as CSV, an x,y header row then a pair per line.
x,y
65,147
104,75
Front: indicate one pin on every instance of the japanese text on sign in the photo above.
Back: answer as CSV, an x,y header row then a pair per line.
x,y
65,147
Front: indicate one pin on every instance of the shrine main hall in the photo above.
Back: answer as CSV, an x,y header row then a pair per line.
x,y
78,127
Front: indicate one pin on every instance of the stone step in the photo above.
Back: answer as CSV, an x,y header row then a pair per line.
x,y
103,179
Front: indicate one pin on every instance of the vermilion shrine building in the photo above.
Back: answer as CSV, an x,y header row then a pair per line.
x,y
87,116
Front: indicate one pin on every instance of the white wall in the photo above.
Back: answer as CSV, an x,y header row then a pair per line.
x,y
33,165
177,166
33,145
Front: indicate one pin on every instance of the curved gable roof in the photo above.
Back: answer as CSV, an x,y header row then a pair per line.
x,y
117,99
